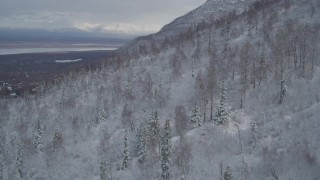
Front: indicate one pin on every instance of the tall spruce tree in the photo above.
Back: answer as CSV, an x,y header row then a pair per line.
x,y
103,116
222,115
57,141
165,151
19,160
129,86
141,143
125,163
2,171
37,139
283,90
196,115
154,131
103,169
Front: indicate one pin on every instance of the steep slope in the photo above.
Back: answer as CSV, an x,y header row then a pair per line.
x,y
268,53
208,12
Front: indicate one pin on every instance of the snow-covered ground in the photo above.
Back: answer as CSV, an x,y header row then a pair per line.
x,y
88,113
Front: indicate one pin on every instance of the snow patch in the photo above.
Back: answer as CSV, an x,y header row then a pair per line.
x,y
68,61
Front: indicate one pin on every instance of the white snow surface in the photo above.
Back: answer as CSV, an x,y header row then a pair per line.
x,y
283,144
67,61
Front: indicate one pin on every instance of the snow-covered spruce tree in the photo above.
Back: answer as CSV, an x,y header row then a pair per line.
x,y
1,166
227,174
125,162
283,90
141,143
37,139
103,169
129,87
154,131
103,116
165,151
41,88
19,159
262,69
196,115
192,69
155,94
222,115
57,140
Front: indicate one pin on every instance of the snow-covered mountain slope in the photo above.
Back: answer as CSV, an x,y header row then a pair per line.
x,y
208,12
268,61
195,21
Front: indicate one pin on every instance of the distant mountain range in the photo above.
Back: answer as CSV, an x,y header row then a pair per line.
x,y
65,35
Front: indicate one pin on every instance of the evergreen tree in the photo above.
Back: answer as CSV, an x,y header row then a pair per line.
x,y
154,131
222,114
125,152
103,169
155,95
227,174
4,162
283,90
57,140
103,116
262,69
141,143
1,166
19,160
196,115
165,151
129,86
37,140
193,69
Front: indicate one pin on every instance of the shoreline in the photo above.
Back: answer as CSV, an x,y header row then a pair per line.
x,y
37,50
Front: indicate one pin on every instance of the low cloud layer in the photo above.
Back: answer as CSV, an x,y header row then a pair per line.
x,y
126,16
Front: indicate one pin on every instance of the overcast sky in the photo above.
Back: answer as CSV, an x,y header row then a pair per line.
x,y
122,16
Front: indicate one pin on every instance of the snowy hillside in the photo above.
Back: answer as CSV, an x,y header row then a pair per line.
x,y
208,12
237,98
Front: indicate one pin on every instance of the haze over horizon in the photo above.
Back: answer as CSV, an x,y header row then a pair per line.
x,y
110,18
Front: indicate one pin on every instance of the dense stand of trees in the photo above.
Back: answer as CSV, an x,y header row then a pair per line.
x,y
293,54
